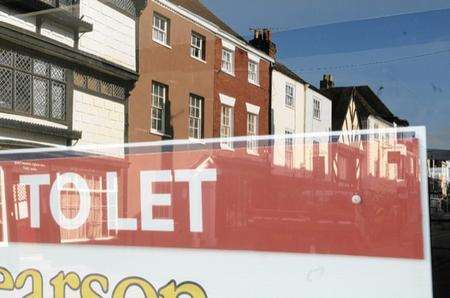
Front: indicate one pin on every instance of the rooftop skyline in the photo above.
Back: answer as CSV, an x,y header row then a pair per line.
x,y
401,49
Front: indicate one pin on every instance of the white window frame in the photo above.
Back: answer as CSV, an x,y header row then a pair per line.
x,y
157,105
226,127
316,108
289,148
228,66
159,30
376,135
253,75
198,44
252,132
289,100
195,117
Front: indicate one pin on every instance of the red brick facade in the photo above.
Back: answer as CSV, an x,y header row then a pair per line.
x,y
238,87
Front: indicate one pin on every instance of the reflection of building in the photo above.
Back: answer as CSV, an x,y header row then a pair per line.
x,y
356,108
199,78
439,179
298,107
65,71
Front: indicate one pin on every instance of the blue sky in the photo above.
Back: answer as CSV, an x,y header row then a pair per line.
x,y
399,48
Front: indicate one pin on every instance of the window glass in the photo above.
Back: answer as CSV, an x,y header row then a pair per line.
x,y
316,109
228,61
159,93
252,130
253,72
226,125
32,86
197,46
290,93
160,29
195,117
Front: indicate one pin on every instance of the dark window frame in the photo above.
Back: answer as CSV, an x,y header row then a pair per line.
x,y
66,82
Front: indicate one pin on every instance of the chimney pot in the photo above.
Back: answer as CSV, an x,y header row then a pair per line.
x,y
327,82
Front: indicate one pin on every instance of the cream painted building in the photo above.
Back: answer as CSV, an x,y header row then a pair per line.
x,y
66,68
296,108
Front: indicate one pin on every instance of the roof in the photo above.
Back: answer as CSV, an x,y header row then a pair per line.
x,y
197,7
367,104
439,154
291,74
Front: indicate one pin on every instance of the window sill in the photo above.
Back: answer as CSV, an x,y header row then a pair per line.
x,y
158,133
162,44
252,152
228,73
255,83
198,59
290,107
226,147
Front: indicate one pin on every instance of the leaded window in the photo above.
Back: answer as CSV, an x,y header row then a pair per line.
x,y
93,84
32,86
124,5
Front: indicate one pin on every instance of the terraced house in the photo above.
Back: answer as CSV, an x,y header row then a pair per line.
x,y
198,77
66,68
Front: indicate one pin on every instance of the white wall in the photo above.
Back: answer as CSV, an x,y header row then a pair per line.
x,y
58,33
322,124
12,17
287,118
102,121
299,120
113,37
28,22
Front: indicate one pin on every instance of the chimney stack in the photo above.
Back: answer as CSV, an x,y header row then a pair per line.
x,y
262,40
327,82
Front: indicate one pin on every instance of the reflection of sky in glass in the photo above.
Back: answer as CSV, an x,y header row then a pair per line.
x,y
400,49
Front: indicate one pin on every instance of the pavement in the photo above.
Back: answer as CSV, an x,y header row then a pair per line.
x,y
440,243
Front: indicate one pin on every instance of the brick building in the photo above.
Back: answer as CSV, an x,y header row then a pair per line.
x,y
198,77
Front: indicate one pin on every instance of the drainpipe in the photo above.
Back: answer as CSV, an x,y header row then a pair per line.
x,y
306,87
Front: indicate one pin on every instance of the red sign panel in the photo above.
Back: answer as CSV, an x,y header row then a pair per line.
x,y
340,200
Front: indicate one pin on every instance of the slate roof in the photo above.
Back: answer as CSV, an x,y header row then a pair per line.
x,y
439,154
291,74
367,103
197,7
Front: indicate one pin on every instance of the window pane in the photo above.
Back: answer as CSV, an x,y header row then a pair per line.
x,y
22,102
40,67
57,73
6,57
40,97
6,83
58,101
23,62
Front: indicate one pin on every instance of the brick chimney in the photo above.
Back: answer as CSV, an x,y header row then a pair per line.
x,y
262,40
327,82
